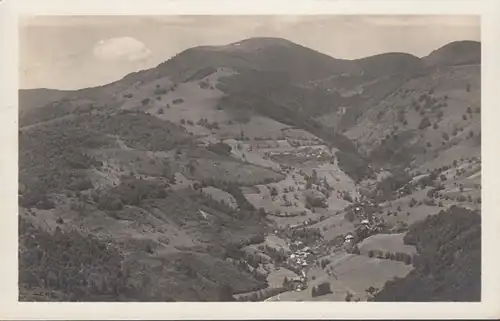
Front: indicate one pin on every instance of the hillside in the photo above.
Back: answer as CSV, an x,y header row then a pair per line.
x,y
32,98
455,54
448,265
253,171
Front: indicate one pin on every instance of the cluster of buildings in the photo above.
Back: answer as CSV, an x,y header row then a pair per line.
x,y
299,260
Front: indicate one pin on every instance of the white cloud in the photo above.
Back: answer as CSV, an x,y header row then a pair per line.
x,y
121,49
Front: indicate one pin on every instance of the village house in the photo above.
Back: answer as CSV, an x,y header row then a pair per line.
x,y
297,283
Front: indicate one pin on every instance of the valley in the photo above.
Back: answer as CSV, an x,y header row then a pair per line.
x,y
225,174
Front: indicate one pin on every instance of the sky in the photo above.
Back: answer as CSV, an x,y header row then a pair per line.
x,y
73,52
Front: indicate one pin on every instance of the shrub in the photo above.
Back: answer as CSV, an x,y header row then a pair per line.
x,y
149,248
424,123
160,91
350,216
323,288
145,101
347,197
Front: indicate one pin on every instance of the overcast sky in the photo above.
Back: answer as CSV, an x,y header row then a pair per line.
x,y
74,52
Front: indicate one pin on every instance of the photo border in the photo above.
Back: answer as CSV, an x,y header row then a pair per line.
x,y
10,10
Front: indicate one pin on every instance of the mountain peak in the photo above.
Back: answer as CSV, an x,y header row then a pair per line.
x,y
252,44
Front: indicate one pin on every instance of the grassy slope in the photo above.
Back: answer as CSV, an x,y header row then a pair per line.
x,y
62,167
391,129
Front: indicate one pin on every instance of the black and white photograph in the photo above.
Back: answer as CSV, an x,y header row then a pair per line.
x,y
250,158
217,161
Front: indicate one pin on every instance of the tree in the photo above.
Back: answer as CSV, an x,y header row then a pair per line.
x,y
424,123
286,282
371,290
149,248
350,216
323,288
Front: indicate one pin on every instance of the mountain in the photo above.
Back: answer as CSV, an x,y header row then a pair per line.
x,y
197,179
32,98
455,54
